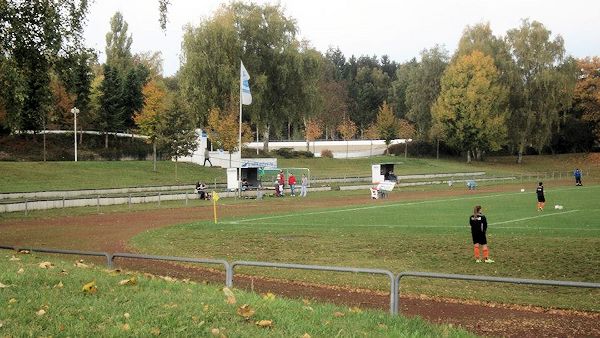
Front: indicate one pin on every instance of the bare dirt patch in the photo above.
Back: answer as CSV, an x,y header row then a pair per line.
x,y
111,233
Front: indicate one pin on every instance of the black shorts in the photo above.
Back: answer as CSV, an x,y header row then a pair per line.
x,y
541,199
478,237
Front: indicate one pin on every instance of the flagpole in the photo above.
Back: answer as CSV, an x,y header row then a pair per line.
x,y
240,137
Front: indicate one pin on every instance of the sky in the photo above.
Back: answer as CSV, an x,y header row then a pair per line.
x,y
399,29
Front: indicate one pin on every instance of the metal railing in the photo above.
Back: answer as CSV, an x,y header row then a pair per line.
x,y
228,267
394,280
491,279
393,293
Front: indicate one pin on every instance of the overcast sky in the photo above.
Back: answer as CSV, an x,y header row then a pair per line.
x,y
400,29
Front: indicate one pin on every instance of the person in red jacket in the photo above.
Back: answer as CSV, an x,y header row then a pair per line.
x,y
292,183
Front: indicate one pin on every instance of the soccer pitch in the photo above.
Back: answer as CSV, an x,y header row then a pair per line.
x,y
420,235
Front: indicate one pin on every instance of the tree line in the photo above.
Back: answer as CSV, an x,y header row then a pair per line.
x,y
516,93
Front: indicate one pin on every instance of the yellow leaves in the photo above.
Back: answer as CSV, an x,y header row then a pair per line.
x,y
80,264
20,271
2,286
264,323
126,315
40,312
13,258
355,309
245,311
155,331
12,301
59,285
90,287
125,327
217,332
338,314
269,296
46,265
305,335
230,296
130,281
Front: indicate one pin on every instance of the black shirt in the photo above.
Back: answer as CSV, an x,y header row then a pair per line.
x,y
478,222
540,191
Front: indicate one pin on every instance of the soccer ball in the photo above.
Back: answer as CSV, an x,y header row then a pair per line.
x,y
559,207
522,190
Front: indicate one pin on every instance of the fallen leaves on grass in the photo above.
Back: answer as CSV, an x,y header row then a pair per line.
x,y
305,335
264,323
217,333
12,301
59,285
13,258
126,315
155,331
20,271
269,296
90,287
230,296
46,265
245,311
125,327
355,309
130,281
24,252
338,314
41,312
80,264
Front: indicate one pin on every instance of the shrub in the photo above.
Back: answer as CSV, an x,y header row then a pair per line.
x,y
326,153
291,153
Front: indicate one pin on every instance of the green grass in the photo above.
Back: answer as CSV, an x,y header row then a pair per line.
x,y
44,176
170,308
426,235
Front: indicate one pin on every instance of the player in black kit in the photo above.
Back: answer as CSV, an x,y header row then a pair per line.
x,y
540,196
478,224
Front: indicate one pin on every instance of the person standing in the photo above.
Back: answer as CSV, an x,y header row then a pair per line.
x,y
540,197
577,174
304,185
292,183
207,157
281,181
478,224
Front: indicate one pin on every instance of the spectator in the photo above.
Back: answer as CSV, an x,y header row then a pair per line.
x,y
200,187
207,157
304,185
292,183
281,181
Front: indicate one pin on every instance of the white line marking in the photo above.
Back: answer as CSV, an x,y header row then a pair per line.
x,y
538,216
383,206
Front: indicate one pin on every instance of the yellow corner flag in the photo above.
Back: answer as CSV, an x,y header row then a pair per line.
x,y
215,198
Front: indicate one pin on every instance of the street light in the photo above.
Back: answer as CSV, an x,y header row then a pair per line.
x,y
75,111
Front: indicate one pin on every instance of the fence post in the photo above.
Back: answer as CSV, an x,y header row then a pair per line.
x,y
63,201
159,198
98,203
186,198
26,207
129,202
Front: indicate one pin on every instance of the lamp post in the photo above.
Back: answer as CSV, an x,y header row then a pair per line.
x,y
75,111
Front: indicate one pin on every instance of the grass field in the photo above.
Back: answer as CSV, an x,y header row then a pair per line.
x,y
44,176
46,302
420,235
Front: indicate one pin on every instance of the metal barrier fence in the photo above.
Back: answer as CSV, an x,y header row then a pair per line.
x,y
393,293
228,267
492,279
394,280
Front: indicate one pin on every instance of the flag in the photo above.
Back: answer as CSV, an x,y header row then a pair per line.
x,y
215,196
246,97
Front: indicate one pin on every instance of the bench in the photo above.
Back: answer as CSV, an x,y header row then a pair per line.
x,y
382,189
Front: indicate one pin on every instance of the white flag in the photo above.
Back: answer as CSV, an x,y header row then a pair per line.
x,y
245,86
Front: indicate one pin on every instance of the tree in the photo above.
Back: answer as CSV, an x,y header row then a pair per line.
x,y
224,129
586,100
407,132
118,44
110,117
470,110
347,129
176,134
133,96
312,131
544,84
424,87
386,125
148,119
371,86
35,35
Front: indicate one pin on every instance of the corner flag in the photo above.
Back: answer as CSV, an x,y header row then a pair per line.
x,y
244,85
